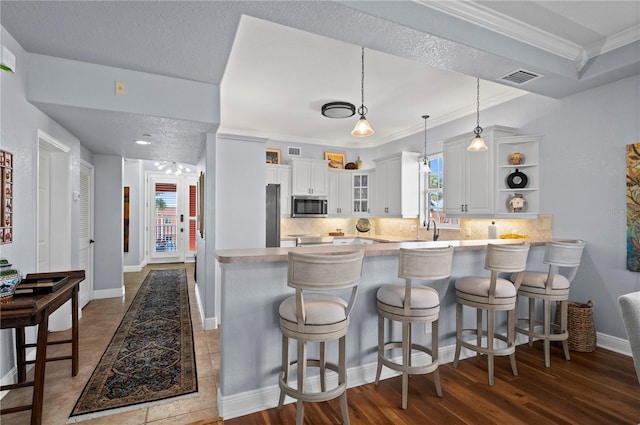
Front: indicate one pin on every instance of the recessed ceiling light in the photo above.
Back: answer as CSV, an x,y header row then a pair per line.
x,y
145,140
338,110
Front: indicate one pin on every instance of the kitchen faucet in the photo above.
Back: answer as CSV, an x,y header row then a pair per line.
x,y
436,233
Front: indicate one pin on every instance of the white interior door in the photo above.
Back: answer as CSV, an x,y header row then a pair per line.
x,y
54,216
86,233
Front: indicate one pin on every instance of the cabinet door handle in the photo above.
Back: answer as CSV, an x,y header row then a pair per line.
x,y
461,207
466,208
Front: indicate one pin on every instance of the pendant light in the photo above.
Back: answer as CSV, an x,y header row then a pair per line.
x,y
477,144
362,128
424,160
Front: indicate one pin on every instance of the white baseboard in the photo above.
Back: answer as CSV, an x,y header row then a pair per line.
x,y
245,403
208,323
108,293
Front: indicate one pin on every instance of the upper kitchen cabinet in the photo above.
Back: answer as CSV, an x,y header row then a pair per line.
x,y
339,199
518,180
309,177
469,176
281,174
361,193
349,193
397,191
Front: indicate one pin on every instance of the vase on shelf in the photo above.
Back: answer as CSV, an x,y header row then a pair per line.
x,y
9,278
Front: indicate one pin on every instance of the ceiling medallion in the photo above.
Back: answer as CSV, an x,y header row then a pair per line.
x,y
338,110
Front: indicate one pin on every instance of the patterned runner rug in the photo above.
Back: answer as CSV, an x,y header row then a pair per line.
x,y
151,356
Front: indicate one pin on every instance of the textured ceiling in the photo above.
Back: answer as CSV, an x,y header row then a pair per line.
x,y
422,57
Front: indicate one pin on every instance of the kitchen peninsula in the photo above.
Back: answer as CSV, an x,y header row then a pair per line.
x,y
254,283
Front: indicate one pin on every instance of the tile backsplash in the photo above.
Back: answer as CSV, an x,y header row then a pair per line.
x,y
537,228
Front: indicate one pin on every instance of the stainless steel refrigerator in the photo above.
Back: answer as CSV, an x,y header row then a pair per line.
x,y
273,216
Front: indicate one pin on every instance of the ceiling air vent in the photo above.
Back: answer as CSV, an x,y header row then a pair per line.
x,y
294,151
520,77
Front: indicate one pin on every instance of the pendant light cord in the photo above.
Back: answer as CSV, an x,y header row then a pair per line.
x,y
362,110
478,129
425,158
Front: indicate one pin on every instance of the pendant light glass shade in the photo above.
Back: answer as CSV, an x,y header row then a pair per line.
x,y
362,128
424,160
477,143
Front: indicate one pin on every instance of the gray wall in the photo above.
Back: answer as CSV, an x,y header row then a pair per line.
x,y
19,125
108,279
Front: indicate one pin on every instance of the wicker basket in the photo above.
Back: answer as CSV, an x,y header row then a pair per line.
x,y
580,325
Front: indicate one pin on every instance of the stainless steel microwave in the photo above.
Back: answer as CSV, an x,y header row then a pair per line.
x,y
308,206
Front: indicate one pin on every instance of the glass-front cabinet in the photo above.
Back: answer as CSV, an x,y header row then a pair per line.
x,y
361,194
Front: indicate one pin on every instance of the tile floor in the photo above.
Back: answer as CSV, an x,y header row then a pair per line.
x,y
100,318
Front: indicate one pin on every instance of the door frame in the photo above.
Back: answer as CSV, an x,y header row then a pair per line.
x,y
59,213
183,254
90,256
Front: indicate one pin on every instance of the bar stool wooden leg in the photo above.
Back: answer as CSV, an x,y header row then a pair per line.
x,y
380,346
564,306
342,378
406,355
547,331
490,333
479,328
302,372
511,339
323,368
456,357
285,367
434,356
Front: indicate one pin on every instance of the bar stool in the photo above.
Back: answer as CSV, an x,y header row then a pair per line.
x,y
313,316
409,304
491,294
551,286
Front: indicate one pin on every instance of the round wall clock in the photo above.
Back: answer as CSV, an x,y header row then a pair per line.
x,y
517,180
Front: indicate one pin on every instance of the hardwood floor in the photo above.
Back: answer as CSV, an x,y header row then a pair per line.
x,y
593,388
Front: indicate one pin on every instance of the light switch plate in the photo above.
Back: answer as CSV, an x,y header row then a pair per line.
x,y
120,87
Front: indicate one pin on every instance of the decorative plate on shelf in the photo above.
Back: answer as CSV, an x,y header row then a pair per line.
x,y
517,203
363,225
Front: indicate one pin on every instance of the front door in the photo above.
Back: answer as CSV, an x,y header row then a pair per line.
x,y
171,221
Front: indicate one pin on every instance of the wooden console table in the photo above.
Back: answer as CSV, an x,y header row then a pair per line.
x,y
31,310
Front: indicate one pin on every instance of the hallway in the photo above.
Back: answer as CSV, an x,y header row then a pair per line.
x,y
100,318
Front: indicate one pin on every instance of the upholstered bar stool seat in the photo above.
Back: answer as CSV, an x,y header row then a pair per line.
x,y
314,314
491,294
550,286
410,304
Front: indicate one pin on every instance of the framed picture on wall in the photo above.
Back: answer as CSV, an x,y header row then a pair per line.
x,y
273,156
336,159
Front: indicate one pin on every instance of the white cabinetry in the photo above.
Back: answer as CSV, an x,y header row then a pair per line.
x,y
349,193
281,174
469,176
339,198
526,174
397,191
309,177
361,200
